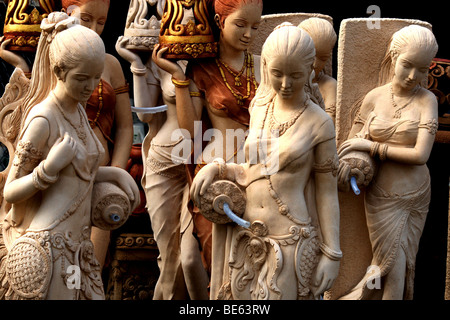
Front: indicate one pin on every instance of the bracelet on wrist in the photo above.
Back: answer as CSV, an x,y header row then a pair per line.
x,y
222,168
330,253
138,71
374,149
181,83
383,152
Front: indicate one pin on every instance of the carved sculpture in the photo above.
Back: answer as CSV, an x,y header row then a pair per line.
x,y
270,21
394,124
324,37
219,96
22,23
182,274
108,108
143,32
186,31
282,252
55,174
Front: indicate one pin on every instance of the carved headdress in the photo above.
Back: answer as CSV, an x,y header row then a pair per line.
x,y
22,22
186,31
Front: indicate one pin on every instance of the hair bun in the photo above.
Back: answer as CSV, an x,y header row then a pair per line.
x,y
284,24
56,22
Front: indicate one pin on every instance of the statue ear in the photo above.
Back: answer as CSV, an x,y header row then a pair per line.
x,y
217,20
394,57
60,73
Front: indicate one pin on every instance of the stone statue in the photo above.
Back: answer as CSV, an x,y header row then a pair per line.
x,y
108,109
395,129
164,178
219,96
55,186
324,37
287,246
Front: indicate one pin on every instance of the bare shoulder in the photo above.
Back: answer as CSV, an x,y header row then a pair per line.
x,y
113,71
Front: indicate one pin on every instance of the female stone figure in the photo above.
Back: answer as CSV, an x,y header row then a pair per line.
x,y
324,37
50,185
165,182
396,127
223,88
292,207
108,109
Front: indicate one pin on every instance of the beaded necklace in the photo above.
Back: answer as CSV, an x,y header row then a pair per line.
x,y
249,66
100,104
283,208
398,111
281,128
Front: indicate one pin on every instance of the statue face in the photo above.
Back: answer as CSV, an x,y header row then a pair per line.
x,y
321,60
411,67
93,15
288,76
239,28
80,81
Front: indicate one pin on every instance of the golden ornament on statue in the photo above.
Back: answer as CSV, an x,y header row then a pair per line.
x,y
22,23
186,31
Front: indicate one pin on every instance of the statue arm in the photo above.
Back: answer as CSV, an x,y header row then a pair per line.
x,y
327,205
32,171
123,138
12,58
146,88
189,109
122,179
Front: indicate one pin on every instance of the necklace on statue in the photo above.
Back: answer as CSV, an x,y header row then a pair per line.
x,y
250,78
398,109
79,129
281,128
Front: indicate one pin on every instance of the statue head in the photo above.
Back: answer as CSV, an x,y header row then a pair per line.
x,y
288,42
411,39
223,8
92,13
324,37
63,44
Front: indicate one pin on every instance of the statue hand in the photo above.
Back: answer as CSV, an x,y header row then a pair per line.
x,y
171,67
354,144
202,181
128,55
12,58
326,272
60,155
344,176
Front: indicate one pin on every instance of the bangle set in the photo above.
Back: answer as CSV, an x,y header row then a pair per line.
x,y
41,180
222,168
379,149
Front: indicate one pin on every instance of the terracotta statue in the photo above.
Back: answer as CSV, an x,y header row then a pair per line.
x,y
108,109
290,188
56,187
396,127
164,179
324,37
224,87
